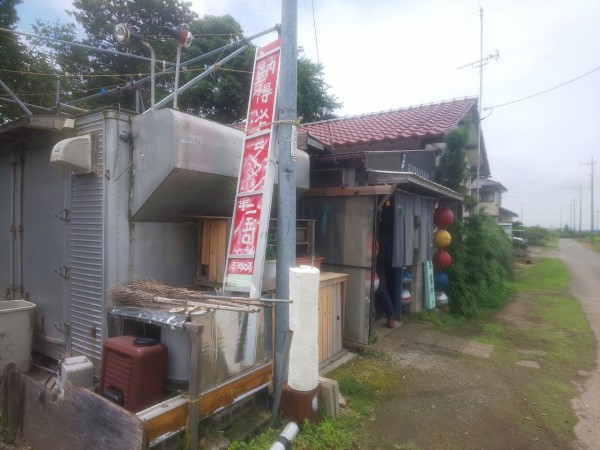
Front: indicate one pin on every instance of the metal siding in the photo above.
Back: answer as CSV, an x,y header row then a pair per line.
x,y
44,251
87,254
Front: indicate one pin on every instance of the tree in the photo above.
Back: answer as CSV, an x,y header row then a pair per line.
x,y
99,17
314,102
69,64
453,170
17,66
222,96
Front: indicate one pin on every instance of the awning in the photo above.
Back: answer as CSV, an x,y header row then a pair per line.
x,y
34,127
384,182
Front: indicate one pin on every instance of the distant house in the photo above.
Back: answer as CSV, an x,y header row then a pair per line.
x,y
490,199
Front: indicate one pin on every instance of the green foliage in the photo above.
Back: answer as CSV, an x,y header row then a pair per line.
x,y
223,96
99,17
482,266
260,442
536,235
314,103
18,63
453,170
31,69
327,434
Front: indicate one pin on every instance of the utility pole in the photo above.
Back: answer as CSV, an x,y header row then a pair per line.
x,y
591,164
479,64
286,202
479,103
580,204
522,218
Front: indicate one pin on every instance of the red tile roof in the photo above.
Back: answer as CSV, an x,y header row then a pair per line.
x,y
413,122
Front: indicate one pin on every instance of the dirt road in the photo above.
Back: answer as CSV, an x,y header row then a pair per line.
x,y
584,266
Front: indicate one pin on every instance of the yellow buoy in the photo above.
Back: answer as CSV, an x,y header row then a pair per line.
x,y
441,238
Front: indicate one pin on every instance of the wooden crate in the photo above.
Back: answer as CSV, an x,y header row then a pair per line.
x,y
332,296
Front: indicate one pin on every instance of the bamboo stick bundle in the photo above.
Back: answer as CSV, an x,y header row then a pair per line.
x,y
163,290
143,292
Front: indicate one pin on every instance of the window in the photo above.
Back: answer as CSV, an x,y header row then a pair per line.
x,y
486,197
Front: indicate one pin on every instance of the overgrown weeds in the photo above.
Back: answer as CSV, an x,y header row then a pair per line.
x,y
482,267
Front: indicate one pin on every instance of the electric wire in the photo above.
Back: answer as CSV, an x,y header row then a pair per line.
x,y
545,91
315,28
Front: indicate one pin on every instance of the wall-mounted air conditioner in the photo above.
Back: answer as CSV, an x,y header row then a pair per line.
x,y
77,154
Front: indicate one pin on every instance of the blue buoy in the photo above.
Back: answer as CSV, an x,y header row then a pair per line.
x,y
441,281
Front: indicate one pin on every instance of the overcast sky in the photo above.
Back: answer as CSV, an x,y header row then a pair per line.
x,y
390,54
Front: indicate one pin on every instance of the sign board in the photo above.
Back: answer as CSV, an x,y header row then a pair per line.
x,y
429,294
252,206
419,162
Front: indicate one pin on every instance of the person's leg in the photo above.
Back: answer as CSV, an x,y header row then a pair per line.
x,y
382,296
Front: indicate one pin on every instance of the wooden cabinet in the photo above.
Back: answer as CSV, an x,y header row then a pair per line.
x,y
332,296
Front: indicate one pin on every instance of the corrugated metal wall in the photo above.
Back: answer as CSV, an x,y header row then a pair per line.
x,y
87,253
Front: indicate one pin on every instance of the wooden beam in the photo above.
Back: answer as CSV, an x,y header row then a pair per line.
x,y
195,331
350,191
211,401
169,416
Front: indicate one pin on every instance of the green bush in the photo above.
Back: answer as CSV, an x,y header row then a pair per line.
x,y
536,235
482,266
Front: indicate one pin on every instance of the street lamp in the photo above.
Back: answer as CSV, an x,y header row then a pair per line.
x,y
124,35
184,39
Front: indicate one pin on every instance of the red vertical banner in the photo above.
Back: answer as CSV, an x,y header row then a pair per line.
x,y
254,164
255,183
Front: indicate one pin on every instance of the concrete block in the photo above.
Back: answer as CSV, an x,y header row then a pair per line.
x,y
330,396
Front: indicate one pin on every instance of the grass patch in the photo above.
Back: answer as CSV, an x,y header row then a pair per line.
x,y
443,322
363,382
547,274
554,324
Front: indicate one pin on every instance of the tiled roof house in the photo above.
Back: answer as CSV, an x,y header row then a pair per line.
x,y
411,128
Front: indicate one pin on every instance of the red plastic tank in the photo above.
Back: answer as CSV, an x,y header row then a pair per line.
x,y
133,371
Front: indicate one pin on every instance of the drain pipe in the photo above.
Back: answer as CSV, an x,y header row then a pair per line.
x,y
285,438
19,227
13,228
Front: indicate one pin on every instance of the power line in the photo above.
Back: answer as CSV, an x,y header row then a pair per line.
x,y
544,92
315,28
77,44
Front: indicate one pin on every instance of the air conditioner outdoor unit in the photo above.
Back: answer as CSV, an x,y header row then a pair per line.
x,y
74,154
